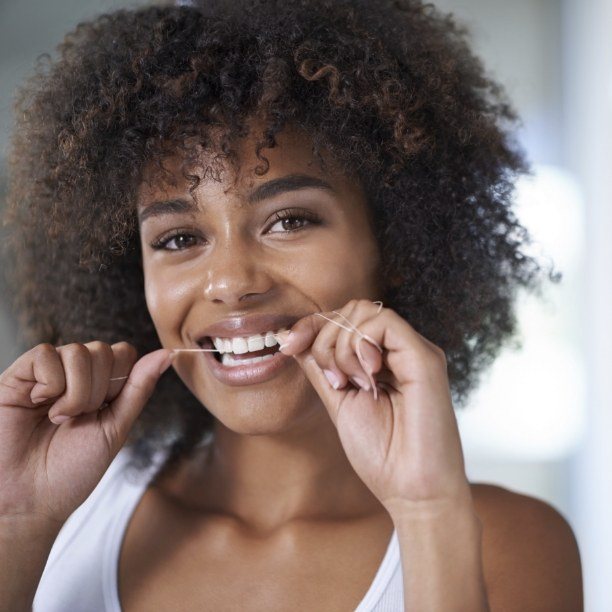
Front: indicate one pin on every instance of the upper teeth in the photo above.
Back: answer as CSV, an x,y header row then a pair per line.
x,y
256,342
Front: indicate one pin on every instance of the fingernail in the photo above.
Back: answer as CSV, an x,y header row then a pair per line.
x,y
58,419
283,339
334,381
38,400
360,383
365,363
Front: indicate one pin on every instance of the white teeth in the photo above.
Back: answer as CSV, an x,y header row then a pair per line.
x,y
228,360
256,343
239,346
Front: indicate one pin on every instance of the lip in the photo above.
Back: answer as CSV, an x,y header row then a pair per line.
x,y
236,327
251,374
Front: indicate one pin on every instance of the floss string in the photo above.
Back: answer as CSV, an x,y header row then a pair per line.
x,y
352,329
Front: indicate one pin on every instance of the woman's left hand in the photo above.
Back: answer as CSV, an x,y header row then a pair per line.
x,y
404,443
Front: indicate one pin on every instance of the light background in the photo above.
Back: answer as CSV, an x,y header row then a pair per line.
x,y
541,422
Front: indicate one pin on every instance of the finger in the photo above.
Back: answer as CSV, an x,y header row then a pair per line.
x,y
324,351
76,360
345,353
35,377
118,419
331,397
101,355
125,356
368,354
367,347
301,335
341,359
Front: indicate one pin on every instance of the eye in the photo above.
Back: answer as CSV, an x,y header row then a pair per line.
x,y
294,220
180,240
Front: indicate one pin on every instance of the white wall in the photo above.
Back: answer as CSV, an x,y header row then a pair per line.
x,y
588,127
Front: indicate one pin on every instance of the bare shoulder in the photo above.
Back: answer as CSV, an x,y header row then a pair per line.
x,y
530,555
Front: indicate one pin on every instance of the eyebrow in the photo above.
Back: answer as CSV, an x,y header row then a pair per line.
x,y
270,189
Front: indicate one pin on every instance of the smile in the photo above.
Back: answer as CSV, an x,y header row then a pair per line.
x,y
261,345
246,360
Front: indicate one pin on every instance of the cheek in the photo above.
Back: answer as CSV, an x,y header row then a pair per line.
x,y
166,297
332,275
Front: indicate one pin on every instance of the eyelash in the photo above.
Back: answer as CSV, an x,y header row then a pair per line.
x,y
281,215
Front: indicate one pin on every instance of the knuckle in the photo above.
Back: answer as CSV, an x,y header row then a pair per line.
x,y
77,349
127,349
313,324
43,350
98,346
106,353
322,354
434,358
440,354
102,350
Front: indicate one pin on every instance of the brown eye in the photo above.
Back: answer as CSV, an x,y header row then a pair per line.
x,y
176,242
293,221
182,241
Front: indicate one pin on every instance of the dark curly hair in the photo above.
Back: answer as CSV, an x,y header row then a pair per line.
x,y
390,88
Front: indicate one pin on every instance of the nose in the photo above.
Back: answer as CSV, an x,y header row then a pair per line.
x,y
234,274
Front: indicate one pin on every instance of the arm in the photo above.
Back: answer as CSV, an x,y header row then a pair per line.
x,y
531,558
48,467
441,553
24,548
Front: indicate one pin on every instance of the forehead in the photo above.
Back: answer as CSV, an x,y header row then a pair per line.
x,y
292,165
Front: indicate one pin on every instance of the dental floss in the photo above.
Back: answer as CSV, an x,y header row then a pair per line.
x,y
180,350
352,329
363,336
356,329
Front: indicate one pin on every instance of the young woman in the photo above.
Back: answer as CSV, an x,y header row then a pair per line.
x,y
191,188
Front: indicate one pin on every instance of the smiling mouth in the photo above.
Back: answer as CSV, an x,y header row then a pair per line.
x,y
243,350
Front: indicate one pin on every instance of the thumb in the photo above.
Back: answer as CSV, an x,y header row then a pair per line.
x,y
121,413
331,397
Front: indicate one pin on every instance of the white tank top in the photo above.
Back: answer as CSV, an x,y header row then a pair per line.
x,y
82,568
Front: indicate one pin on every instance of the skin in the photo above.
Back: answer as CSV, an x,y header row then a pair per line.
x,y
246,270
291,470
304,482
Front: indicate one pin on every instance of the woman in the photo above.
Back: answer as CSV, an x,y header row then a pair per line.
x,y
206,180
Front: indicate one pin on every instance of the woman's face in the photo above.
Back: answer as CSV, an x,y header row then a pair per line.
x,y
229,257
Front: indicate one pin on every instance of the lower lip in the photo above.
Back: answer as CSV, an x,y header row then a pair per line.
x,y
248,374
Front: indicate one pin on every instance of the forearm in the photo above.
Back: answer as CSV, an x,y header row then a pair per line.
x,y
441,555
24,548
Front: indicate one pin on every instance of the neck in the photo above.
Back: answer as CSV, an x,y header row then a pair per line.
x,y
268,481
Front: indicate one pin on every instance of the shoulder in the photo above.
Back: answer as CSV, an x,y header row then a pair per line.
x,y
530,555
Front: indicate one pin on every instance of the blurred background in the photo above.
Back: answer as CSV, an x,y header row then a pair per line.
x,y
541,422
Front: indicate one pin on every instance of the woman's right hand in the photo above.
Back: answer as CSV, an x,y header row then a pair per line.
x,y
49,464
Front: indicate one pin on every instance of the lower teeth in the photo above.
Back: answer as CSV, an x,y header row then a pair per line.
x,y
228,360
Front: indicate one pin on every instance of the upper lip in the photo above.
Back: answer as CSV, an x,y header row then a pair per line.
x,y
235,327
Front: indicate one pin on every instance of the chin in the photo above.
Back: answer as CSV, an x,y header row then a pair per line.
x,y
255,412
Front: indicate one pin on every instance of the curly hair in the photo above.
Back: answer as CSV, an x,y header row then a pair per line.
x,y
390,88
